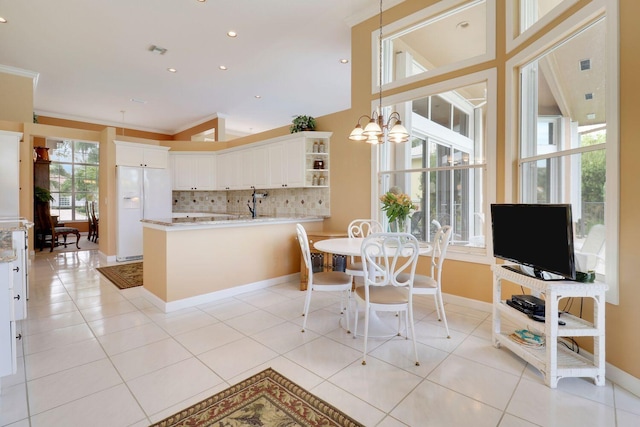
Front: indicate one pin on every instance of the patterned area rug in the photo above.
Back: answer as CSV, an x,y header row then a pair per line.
x,y
123,276
266,399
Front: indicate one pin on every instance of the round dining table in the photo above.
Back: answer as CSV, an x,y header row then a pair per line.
x,y
351,246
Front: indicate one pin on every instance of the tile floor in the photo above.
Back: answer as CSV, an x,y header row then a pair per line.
x,y
94,355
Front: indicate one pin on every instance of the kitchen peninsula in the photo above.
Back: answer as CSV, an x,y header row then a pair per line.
x,y
195,262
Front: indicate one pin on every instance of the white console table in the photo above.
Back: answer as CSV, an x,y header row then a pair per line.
x,y
555,362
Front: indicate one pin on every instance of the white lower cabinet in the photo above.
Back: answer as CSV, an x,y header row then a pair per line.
x,y
7,322
13,288
193,171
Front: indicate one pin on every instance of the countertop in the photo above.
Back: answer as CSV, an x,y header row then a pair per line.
x,y
203,220
7,226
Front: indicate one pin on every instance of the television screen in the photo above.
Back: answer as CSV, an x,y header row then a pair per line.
x,y
539,236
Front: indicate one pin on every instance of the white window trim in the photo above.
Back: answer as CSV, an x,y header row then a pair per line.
x,y
459,253
584,16
432,12
514,42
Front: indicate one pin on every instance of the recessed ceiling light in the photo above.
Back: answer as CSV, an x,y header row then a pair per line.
x,y
232,34
258,97
223,67
2,20
201,1
172,70
344,61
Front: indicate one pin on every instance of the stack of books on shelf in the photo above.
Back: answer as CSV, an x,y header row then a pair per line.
x,y
527,338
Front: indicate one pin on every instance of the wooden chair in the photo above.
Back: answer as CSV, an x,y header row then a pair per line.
x,y
95,221
55,233
90,224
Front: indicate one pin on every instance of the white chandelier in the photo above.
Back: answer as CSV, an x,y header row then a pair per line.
x,y
376,130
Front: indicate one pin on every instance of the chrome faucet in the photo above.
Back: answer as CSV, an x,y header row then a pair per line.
x,y
255,196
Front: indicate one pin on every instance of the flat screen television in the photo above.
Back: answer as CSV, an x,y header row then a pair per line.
x,y
537,236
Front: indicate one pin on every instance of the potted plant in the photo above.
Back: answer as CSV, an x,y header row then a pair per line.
x,y
302,123
42,195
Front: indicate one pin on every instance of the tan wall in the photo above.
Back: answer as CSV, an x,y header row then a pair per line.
x,y
16,98
351,168
120,131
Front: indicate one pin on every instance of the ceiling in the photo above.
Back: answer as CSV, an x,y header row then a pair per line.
x,y
93,59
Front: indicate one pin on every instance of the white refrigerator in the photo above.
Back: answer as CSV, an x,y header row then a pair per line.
x,y
142,193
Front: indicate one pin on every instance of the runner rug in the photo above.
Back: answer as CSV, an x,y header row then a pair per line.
x,y
266,399
123,276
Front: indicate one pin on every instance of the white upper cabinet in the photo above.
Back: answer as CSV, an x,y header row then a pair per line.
x,y
291,161
141,155
260,167
229,173
193,171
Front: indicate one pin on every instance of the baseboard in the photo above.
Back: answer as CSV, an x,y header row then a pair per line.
x,y
168,307
468,302
613,374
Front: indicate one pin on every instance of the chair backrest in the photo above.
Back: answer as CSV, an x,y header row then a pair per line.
x,y
389,259
440,244
88,210
303,240
363,227
595,240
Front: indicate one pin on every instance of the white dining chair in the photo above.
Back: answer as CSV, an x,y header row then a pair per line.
x,y
325,281
390,260
360,228
432,284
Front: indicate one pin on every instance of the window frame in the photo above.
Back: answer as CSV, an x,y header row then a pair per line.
x,y
480,255
564,30
433,12
513,22
73,164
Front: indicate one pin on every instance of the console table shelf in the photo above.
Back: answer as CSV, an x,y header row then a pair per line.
x,y
553,360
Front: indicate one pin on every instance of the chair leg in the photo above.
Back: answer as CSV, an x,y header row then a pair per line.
x,y
444,316
413,333
355,318
366,334
348,309
307,303
438,308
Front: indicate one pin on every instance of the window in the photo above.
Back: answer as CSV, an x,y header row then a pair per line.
x,y
444,168
449,35
568,138
529,16
73,178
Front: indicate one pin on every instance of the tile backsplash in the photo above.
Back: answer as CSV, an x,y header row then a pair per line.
x,y
278,202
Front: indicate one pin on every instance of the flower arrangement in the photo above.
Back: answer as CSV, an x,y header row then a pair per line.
x,y
397,206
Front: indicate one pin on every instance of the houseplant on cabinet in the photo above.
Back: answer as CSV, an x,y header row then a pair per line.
x,y
302,123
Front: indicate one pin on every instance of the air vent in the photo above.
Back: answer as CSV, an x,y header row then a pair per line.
x,y
157,49
585,64
588,96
